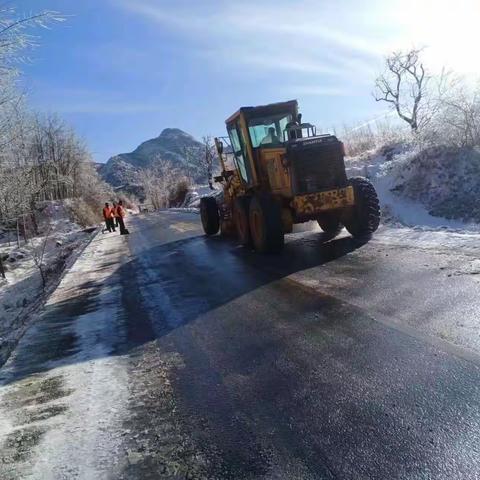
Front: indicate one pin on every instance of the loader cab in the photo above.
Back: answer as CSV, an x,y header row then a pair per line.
x,y
255,130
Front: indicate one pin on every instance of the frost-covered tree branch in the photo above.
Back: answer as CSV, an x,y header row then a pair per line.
x,y
14,32
404,87
458,118
164,184
38,255
15,41
209,159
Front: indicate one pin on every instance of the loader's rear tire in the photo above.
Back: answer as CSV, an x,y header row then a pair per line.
x,y
241,207
364,217
209,215
330,223
266,227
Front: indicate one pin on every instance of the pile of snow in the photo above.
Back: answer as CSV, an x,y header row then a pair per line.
x,y
192,200
435,238
55,215
436,187
22,291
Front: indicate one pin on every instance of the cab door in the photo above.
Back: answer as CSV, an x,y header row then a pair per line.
x,y
242,161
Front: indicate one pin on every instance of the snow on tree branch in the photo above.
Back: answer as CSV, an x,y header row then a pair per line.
x,y
404,86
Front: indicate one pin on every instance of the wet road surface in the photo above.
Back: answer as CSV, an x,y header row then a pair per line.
x,y
169,355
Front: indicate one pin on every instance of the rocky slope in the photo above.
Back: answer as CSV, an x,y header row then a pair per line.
x,y
173,145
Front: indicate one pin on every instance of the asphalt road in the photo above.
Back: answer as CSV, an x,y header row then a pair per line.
x,y
172,355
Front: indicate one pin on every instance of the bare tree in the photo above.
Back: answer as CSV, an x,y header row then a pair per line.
x,y
209,158
459,120
17,178
404,86
202,156
14,40
159,182
38,255
46,161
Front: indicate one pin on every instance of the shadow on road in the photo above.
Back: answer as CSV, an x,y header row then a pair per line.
x,y
354,402
187,278
162,288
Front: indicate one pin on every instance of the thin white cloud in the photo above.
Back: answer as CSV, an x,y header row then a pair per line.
x,y
86,101
185,19
317,90
362,30
297,38
109,108
304,21
270,61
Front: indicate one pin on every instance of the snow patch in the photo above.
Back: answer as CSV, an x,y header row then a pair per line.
x,y
406,200
85,441
22,292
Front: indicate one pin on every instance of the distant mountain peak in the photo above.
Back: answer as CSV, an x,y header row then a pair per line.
x,y
174,133
173,145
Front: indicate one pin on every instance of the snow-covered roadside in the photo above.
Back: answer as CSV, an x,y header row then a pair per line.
x,y
23,292
424,237
75,418
192,200
392,171
185,209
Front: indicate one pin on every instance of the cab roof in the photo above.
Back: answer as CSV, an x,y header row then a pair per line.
x,y
265,110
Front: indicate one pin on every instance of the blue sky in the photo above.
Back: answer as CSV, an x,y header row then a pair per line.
x,y
122,70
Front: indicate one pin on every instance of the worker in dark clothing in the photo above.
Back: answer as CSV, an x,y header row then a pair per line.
x,y
121,215
108,217
271,138
115,215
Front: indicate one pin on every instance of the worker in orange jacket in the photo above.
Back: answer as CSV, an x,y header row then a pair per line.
x,y
121,213
108,216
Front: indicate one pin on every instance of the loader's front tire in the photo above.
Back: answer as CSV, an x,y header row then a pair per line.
x,y
241,207
364,217
209,215
266,226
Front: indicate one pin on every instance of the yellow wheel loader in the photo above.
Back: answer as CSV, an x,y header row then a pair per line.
x,y
283,173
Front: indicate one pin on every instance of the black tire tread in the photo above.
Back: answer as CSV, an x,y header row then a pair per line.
x,y
272,213
366,217
209,215
242,204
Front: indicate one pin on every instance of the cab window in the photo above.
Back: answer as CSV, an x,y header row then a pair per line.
x,y
268,131
238,145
